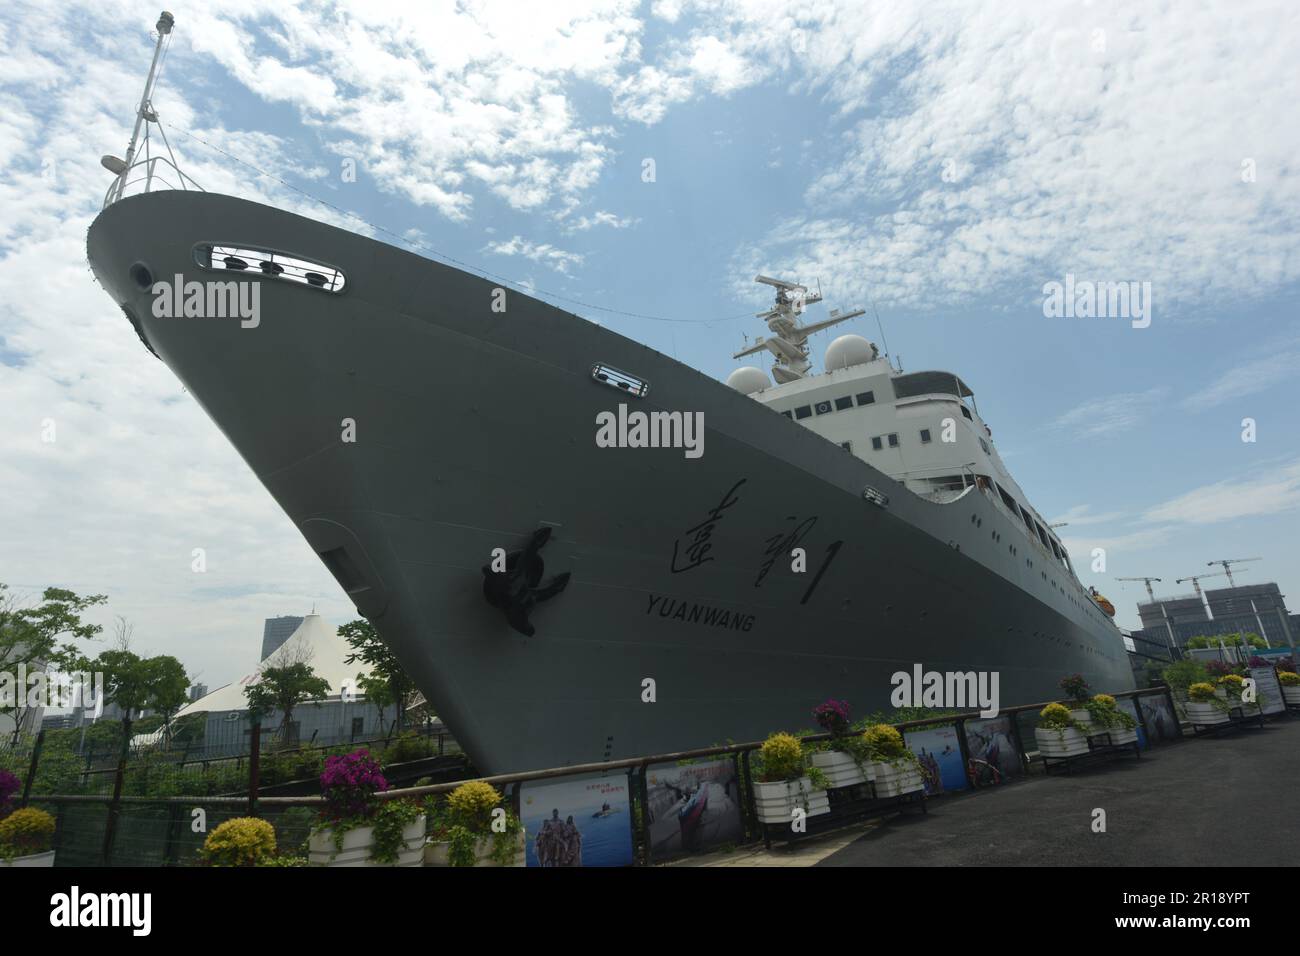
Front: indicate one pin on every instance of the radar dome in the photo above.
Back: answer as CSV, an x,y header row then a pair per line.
x,y
849,350
747,380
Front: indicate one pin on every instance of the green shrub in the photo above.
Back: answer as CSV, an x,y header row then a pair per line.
x,y
783,758
243,841
24,832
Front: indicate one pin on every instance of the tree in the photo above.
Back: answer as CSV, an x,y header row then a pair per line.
x,y
377,692
31,636
283,688
169,685
368,648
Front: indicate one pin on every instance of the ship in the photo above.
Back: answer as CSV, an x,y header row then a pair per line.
x,y
516,498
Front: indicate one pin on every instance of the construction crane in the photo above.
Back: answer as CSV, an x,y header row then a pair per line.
x,y
1228,570
1196,580
1147,581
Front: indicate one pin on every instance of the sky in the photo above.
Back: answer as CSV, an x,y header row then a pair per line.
x,y
638,163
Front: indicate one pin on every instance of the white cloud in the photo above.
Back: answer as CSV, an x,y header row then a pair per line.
x,y
545,253
1114,413
1082,515
1234,498
1249,378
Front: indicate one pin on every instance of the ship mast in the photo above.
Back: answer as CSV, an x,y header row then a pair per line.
x,y
145,111
789,341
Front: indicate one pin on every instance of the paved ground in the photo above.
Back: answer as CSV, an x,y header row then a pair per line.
x,y
1230,800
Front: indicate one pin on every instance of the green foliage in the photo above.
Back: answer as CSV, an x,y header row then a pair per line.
x,y
1183,674
884,742
243,841
782,758
1198,643
283,688
385,668
1055,717
24,832
472,803
1104,712
408,746
1202,692
475,815
44,635
392,817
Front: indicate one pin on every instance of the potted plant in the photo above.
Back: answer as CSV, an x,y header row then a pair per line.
x,y
1059,734
845,761
1231,687
1076,689
894,768
471,828
25,838
245,841
1290,687
356,828
1205,705
1104,713
785,781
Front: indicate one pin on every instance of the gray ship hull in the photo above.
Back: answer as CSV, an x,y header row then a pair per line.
x,y
476,427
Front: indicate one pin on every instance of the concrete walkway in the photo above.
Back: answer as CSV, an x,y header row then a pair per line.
x,y
1214,801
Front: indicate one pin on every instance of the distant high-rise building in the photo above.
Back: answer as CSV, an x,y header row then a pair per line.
x,y
198,690
276,631
1245,609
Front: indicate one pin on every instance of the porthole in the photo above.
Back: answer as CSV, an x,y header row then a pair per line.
x,y
142,276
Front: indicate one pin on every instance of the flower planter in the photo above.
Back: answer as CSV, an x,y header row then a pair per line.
x,y
896,779
1119,736
775,802
1203,713
1069,742
32,859
1291,694
438,852
840,768
357,843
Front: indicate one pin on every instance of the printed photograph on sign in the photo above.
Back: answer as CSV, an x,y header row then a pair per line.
x,y
578,822
993,754
693,807
1161,724
939,751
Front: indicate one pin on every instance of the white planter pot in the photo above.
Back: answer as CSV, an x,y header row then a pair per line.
x,y
1061,743
894,780
357,843
1080,715
841,769
1291,694
32,859
1119,736
1221,693
1204,713
775,802
438,852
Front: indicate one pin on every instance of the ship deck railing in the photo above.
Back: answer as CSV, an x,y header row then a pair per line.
x,y
148,179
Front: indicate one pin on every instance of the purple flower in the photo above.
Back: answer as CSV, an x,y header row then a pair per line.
x,y
349,784
833,716
9,785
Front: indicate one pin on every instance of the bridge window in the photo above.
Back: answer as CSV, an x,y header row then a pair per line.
x,y
893,440
965,411
843,402
877,444
866,398
803,411
925,435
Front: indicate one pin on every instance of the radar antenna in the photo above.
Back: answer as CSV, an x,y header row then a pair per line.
x,y
789,341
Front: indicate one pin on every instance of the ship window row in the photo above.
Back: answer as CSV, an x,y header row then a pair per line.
x,y
826,407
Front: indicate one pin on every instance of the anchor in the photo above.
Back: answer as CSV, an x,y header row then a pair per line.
x,y
515,590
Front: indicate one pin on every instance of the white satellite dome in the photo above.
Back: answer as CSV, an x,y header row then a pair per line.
x,y
747,380
849,350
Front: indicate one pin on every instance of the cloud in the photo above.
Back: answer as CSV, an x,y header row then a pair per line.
x,y
1106,416
1249,378
1234,498
542,252
1142,540
1080,515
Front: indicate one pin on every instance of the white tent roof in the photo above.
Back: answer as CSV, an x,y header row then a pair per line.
x,y
314,640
